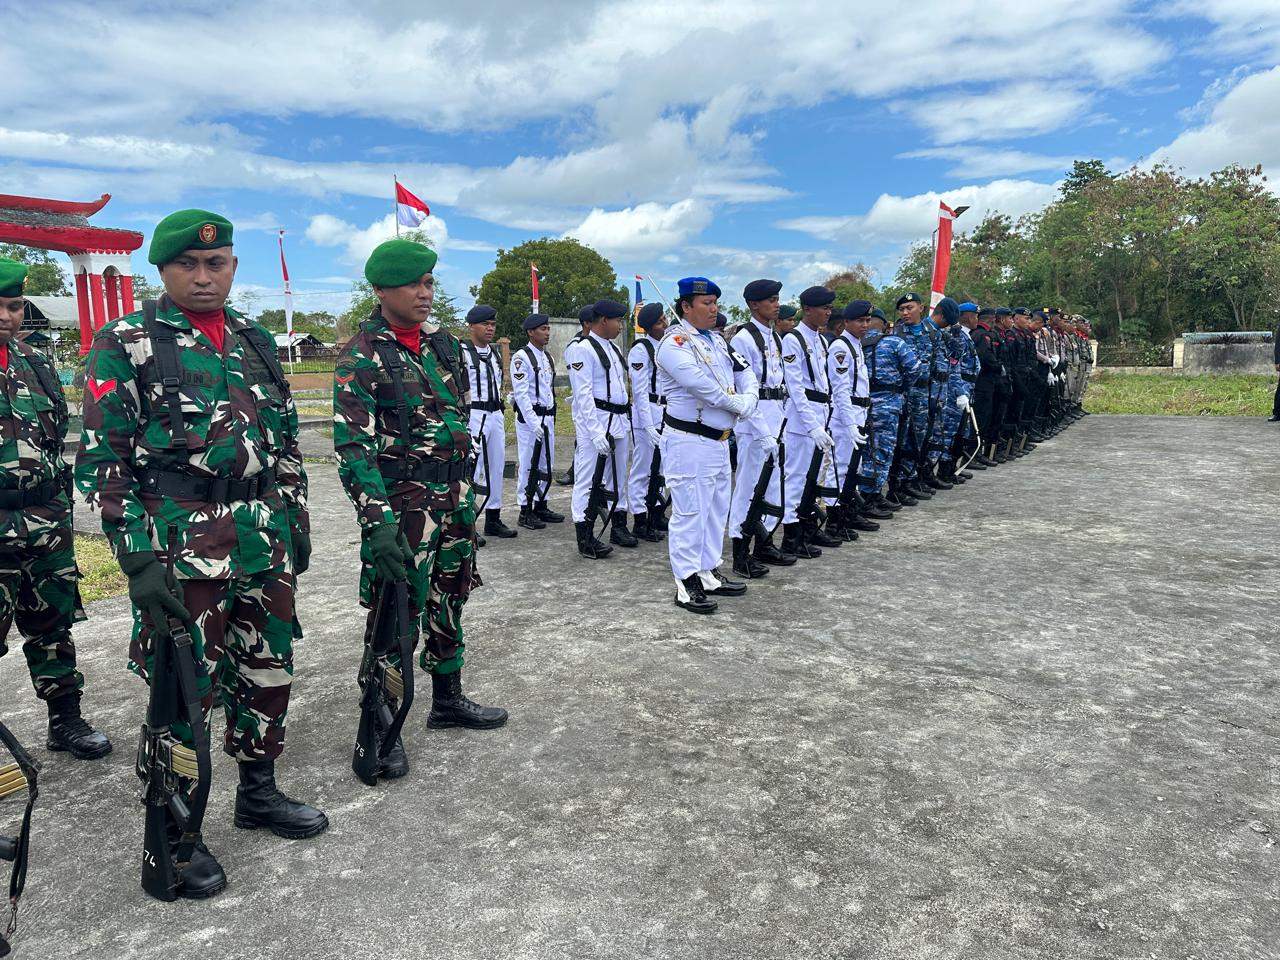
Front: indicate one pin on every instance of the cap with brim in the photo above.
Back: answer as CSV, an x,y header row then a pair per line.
x,y
188,230
13,275
535,320
650,314
396,263
760,290
481,313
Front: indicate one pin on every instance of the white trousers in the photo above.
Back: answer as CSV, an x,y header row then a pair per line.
x,y
800,449
751,460
638,478
584,468
489,434
697,473
527,435
843,437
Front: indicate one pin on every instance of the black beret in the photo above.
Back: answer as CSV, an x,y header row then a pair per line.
x,y
650,314
1003,312
878,314
987,312
817,297
587,313
907,298
609,309
535,320
786,312
1021,312
481,313
760,290
857,309
949,309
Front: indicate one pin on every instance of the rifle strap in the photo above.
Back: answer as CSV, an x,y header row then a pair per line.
x,y
18,876
184,666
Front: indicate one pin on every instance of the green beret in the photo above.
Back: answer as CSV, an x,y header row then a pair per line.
x,y
188,230
12,275
397,262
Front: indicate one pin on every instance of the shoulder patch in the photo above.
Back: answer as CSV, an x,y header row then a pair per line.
x,y
576,365
678,339
789,358
638,365
99,388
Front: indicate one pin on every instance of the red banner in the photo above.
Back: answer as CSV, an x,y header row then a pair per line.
x,y
941,254
533,278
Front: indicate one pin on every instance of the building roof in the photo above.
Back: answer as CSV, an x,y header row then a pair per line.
x,y
61,312
282,339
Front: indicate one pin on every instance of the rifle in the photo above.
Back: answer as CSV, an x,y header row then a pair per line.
x,y
164,761
484,488
753,523
654,501
601,500
391,630
806,509
849,488
22,774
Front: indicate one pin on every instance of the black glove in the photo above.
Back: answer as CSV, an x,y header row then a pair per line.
x,y
389,552
153,589
301,552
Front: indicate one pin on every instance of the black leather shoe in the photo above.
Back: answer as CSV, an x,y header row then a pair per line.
x,y
203,876
259,803
450,707
691,596
546,514
646,531
529,520
1274,418
918,489
618,532
766,552
933,481
589,545
396,764
745,565
727,587
876,508
494,527
70,732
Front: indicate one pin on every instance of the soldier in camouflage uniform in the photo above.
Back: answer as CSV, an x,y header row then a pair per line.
x,y
400,414
190,454
38,575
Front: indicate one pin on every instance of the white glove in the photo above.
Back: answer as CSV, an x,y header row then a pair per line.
x,y
654,435
1050,378
822,438
859,438
737,404
962,402
601,443
752,402
767,444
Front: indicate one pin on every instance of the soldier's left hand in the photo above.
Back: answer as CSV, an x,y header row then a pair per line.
x,y
301,552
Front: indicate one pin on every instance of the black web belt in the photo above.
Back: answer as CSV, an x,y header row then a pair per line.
x,y
489,406
880,386
817,396
860,401
773,393
40,493
425,471
658,399
696,428
608,407
184,486
969,377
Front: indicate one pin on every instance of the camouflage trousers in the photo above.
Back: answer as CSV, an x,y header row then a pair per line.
x,y
953,420
877,456
441,578
916,433
39,591
242,631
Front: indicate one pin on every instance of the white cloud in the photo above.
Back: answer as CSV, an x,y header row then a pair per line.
x,y
643,229
1243,127
326,230
976,163
1020,109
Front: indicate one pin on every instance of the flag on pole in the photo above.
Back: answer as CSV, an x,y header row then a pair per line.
x,y
639,290
410,211
941,254
288,299
533,278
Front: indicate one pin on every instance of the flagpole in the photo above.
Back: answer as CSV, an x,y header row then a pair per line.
x,y
395,202
288,301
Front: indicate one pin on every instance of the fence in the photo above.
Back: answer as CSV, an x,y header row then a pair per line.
x,y
1135,354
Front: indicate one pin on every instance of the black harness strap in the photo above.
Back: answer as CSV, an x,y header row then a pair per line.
x,y
653,368
164,350
394,364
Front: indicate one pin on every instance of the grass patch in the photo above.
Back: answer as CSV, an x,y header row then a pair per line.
x,y
100,575
1172,395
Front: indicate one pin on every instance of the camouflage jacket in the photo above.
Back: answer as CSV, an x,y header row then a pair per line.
x,y
33,421
366,425
238,422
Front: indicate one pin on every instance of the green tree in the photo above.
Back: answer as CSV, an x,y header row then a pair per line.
x,y
571,276
144,289
853,283
444,311
322,325
44,276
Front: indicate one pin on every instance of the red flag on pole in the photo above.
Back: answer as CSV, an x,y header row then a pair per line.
x,y
941,254
288,298
533,278
410,211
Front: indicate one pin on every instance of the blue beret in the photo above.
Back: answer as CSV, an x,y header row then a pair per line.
x,y
817,297
856,309
481,313
949,309
968,307
609,309
761,290
907,298
650,314
1003,312
697,286
535,320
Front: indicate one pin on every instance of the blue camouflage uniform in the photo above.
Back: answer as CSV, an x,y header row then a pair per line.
x,y
965,375
923,408
892,365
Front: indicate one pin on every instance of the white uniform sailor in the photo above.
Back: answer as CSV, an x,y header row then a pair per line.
x,y
849,516
646,427
487,424
709,388
601,421
808,411
840,374
533,375
761,347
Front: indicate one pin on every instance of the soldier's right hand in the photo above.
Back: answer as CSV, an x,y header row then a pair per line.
x,y
153,590
389,552
601,443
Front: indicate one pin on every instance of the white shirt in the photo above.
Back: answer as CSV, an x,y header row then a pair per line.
x,y
644,376
767,369
528,387
859,378
698,374
803,414
486,375
839,376
592,381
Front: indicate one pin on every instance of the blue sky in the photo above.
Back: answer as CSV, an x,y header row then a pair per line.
x,y
734,139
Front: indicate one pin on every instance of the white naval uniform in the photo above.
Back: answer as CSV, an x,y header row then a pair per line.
x,y
840,374
704,381
533,378
488,426
767,368
594,383
804,361
646,412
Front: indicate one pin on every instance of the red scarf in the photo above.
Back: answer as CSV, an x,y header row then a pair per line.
x,y
4,355
212,323
410,338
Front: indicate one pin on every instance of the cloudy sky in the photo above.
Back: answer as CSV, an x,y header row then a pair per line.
x,y
732,139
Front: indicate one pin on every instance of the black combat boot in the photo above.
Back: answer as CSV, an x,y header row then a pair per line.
x,y
919,489
529,519
811,532
70,732
659,520
567,479
203,876
791,543
691,596
875,508
259,803
589,545
906,495
931,479
450,707
546,514
396,764
766,552
855,515
494,527
717,584
645,530
745,565
618,532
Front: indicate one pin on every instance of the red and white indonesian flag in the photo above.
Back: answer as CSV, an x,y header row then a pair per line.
x,y
533,283
941,254
410,211
288,296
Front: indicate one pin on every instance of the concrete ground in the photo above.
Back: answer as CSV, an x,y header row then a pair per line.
x,y
1036,717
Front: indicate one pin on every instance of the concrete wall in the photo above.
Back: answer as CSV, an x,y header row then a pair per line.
x,y
1228,358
